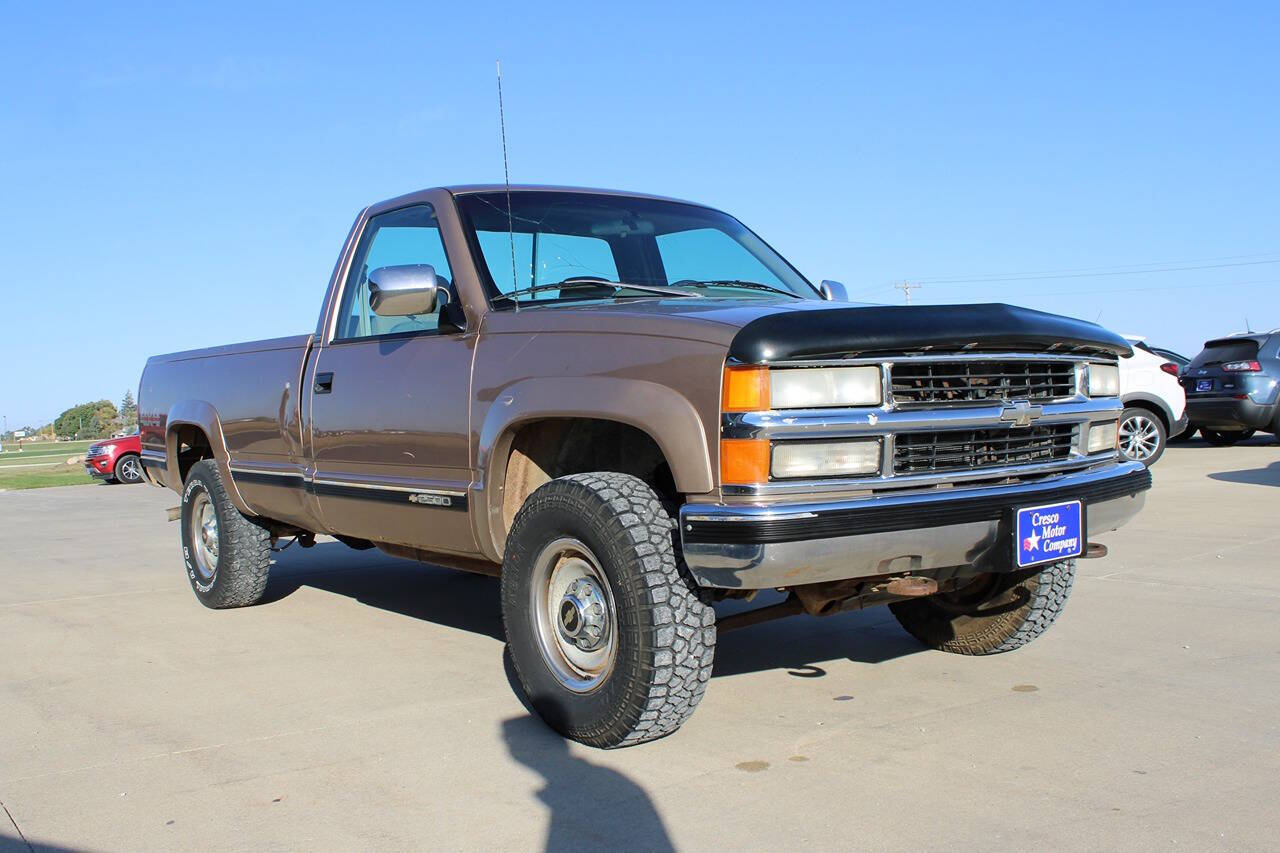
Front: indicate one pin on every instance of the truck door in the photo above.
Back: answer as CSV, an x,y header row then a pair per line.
x,y
389,403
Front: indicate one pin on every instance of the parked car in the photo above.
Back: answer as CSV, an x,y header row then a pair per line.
x,y
1154,404
644,411
1233,387
1169,355
116,460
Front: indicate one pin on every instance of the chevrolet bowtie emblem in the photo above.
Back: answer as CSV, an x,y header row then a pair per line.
x,y
1021,413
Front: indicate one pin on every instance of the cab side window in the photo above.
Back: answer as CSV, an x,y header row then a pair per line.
x,y
407,236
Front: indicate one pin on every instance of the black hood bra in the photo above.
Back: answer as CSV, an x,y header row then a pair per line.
x,y
891,329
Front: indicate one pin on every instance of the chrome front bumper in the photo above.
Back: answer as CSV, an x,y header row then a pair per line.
x,y
759,547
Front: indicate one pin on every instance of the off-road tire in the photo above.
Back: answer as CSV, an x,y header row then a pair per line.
x,y
1018,608
120,468
244,546
665,627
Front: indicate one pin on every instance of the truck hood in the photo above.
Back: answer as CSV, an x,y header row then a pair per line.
x,y
841,330
759,331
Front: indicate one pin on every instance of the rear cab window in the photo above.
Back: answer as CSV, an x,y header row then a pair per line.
x,y
1218,352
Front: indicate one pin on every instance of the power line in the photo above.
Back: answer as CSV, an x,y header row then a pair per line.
x,y
1097,269
906,287
1139,289
1094,274
886,288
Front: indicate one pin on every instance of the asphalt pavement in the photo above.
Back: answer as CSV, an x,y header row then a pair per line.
x,y
368,704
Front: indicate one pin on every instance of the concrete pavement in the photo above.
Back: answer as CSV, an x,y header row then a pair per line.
x,y
368,704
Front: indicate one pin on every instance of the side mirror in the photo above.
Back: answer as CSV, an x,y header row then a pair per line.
x,y
403,290
834,291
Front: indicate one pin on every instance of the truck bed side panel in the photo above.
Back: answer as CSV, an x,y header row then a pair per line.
x,y
253,389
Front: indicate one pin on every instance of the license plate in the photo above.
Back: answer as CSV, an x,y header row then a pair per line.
x,y
1204,384
1046,534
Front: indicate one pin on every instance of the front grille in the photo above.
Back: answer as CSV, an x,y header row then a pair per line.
x,y
979,381
969,449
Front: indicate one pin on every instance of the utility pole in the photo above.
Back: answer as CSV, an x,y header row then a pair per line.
x,y
906,287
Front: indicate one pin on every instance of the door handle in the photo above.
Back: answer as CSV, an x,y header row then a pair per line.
x,y
323,383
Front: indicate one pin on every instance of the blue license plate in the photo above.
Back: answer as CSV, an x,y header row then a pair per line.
x,y
1204,384
1046,534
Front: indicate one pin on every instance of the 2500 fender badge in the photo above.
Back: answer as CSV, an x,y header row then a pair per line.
x,y
431,500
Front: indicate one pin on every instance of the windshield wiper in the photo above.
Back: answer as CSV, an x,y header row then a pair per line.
x,y
586,281
735,282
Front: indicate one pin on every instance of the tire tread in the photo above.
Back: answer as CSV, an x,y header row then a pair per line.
x,y
667,681
244,549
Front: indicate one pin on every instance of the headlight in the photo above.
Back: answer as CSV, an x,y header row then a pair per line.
x,y
825,458
823,387
1102,437
1104,380
755,389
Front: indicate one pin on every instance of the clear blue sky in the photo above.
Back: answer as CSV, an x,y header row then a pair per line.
x,y
181,179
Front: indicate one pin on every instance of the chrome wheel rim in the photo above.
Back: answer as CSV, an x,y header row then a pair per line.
x,y
1139,438
204,535
574,615
131,469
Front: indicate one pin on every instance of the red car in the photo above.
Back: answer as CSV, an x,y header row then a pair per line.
x,y
116,460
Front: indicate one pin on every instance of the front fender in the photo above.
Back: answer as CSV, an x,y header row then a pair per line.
x,y
202,415
1152,401
669,418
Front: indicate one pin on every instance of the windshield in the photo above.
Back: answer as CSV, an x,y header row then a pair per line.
x,y
568,237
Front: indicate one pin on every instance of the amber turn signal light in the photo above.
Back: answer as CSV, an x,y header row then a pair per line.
x,y
744,460
745,389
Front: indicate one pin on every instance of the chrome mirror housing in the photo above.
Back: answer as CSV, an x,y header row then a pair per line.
x,y
834,291
403,290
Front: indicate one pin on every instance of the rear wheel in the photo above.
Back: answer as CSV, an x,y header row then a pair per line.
x,y
993,613
227,554
607,632
1142,436
128,469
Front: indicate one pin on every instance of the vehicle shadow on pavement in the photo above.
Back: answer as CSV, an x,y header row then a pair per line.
x,y
18,844
1268,476
446,597
470,602
590,806
798,644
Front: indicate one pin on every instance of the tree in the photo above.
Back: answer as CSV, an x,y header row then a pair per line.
x,y
128,411
87,420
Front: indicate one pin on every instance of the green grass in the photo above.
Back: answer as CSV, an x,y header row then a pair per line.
x,y
45,451
39,478
43,464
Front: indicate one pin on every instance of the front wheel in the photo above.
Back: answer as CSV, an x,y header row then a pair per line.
x,y
607,633
993,613
1142,436
128,469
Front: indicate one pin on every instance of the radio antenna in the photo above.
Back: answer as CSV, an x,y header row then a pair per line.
x,y
506,174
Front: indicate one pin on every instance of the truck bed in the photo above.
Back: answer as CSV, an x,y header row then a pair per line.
x,y
253,387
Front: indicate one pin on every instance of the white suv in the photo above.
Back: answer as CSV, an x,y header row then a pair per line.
x,y
1155,406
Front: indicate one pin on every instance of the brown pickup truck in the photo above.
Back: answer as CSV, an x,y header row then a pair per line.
x,y
631,408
